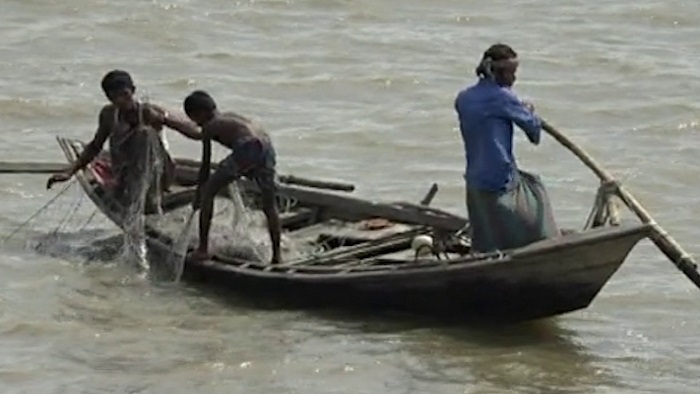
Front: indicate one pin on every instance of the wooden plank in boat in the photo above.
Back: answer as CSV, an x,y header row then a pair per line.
x,y
353,254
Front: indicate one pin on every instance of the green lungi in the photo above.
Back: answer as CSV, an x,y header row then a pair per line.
x,y
510,219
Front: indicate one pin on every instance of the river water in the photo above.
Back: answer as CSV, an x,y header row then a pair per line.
x,y
360,91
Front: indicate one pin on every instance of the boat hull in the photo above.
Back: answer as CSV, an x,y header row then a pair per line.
x,y
547,282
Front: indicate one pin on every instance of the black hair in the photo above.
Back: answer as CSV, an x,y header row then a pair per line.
x,y
495,53
199,101
117,80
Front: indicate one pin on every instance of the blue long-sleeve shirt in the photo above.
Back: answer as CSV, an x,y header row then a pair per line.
x,y
486,113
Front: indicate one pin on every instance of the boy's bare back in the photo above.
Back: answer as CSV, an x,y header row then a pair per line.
x,y
231,130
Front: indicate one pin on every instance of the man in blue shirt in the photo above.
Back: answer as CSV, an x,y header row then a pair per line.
x,y
508,208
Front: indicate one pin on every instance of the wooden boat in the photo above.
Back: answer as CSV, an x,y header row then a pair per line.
x,y
365,258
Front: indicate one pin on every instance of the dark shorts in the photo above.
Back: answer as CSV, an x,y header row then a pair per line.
x,y
254,159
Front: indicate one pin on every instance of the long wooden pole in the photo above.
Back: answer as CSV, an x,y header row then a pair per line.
x,y
683,261
38,167
31,167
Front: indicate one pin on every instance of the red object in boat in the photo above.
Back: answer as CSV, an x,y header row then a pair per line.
x,y
102,170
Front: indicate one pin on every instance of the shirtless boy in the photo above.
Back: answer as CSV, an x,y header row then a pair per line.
x,y
253,157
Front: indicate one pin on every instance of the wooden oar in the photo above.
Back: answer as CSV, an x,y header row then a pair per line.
x,y
683,261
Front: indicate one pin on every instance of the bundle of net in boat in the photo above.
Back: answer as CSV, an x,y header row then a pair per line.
x,y
239,232
236,230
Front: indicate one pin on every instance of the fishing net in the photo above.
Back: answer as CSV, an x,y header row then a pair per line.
x,y
236,230
64,219
140,174
66,225
242,232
